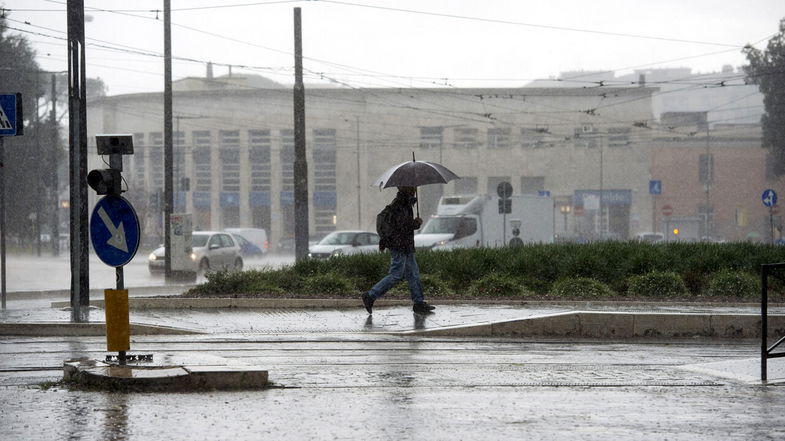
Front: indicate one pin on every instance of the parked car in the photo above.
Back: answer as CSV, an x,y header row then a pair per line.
x,y
247,249
345,242
211,250
256,236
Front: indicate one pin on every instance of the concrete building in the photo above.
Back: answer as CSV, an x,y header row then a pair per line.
x,y
589,148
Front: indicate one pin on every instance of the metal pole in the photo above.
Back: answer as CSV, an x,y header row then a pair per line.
x,y
2,218
709,177
168,175
764,324
300,163
38,184
121,359
77,143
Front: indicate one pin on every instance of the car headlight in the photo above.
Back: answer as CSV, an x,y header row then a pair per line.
x,y
337,252
153,257
193,257
442,242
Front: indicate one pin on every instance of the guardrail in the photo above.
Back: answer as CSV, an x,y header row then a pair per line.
x,y
766,351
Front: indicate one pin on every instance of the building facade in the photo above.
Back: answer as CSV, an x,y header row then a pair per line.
x,y
591,149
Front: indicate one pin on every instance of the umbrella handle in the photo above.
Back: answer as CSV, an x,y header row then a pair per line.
x,y
417,200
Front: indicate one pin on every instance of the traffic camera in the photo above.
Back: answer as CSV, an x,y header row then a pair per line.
x,y
108,181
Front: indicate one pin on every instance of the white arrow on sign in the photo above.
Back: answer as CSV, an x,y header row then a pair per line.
x,y
118,233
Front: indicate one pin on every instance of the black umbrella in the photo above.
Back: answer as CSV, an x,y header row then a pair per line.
x,y
414,174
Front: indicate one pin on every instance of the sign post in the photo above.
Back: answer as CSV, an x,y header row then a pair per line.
x,y
655,189
10,125
667,211
504,190
769,199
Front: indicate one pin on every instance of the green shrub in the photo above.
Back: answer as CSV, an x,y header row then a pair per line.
x,y
432,285
657,284
581,287
330,283
496,285
729,283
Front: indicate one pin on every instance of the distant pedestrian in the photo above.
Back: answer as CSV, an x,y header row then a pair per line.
x,y
400,241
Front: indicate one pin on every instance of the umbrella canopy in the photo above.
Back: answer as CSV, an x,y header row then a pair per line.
x,y
415,174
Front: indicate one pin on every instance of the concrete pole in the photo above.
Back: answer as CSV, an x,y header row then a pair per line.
x,y
55,225
77,144
168,155
300,163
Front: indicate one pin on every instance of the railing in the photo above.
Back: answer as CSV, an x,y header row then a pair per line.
x,y
767,351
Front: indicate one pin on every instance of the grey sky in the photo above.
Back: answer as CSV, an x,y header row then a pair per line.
x,y
400,43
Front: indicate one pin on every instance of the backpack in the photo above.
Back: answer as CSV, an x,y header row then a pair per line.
x,y
384,223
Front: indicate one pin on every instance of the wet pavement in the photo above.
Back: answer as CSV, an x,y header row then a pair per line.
x,y
338,374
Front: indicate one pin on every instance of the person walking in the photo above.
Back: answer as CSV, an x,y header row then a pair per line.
x,y
400,242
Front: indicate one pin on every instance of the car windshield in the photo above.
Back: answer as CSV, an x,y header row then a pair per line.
x,y
460,226
199,240
338,238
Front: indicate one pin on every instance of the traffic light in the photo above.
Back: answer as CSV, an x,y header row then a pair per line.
x,y
105,181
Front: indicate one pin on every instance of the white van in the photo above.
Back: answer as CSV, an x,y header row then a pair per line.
x,y
256,236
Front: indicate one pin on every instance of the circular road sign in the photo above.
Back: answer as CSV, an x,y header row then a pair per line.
x,y
504,189
769,197
114,230
667,210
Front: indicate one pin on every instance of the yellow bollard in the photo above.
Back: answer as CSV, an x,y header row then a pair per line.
x,y
118,335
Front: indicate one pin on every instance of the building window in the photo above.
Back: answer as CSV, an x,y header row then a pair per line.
x,y
431,137
139,159
532,184
498,137
202,161
230,160
618,137
532,138
586,137
259,146
325,194
156,157
706,168
466,138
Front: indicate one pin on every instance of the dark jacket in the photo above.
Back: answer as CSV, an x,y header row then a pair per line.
x,y
404,224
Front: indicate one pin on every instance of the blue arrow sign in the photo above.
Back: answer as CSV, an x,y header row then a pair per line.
x,y
655,186
769,197
9,113
114,230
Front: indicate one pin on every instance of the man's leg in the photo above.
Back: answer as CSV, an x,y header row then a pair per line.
x,y
412,275
394,275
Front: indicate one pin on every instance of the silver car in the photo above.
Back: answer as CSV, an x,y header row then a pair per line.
x,y
211,250
345,242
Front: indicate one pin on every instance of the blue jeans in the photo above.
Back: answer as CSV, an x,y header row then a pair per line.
x,y
402,266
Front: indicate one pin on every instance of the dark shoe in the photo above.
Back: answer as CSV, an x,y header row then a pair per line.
x,y
423,308
368,302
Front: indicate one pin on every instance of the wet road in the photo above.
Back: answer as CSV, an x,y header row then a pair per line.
x,y
372,386
31,273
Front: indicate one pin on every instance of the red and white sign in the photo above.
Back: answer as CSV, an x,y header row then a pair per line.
x,y
667,210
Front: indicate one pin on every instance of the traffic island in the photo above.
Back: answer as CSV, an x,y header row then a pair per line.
x,y
97,375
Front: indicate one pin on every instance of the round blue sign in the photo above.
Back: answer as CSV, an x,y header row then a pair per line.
x,y
769,198
114,230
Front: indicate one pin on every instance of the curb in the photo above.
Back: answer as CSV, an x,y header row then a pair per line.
x,y
620,325
91,374
65,329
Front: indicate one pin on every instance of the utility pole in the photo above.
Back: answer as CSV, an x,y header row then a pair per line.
x,y
359,205
168,163
77,144
55,181
300,164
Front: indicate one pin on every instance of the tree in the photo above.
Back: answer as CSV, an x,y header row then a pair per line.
x,y
767,70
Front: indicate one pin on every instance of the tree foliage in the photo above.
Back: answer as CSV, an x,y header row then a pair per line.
x,y
767,70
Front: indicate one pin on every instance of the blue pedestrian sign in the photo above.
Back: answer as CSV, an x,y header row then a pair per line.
x,y
769,198
544,193
655,186
114,230
11,114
